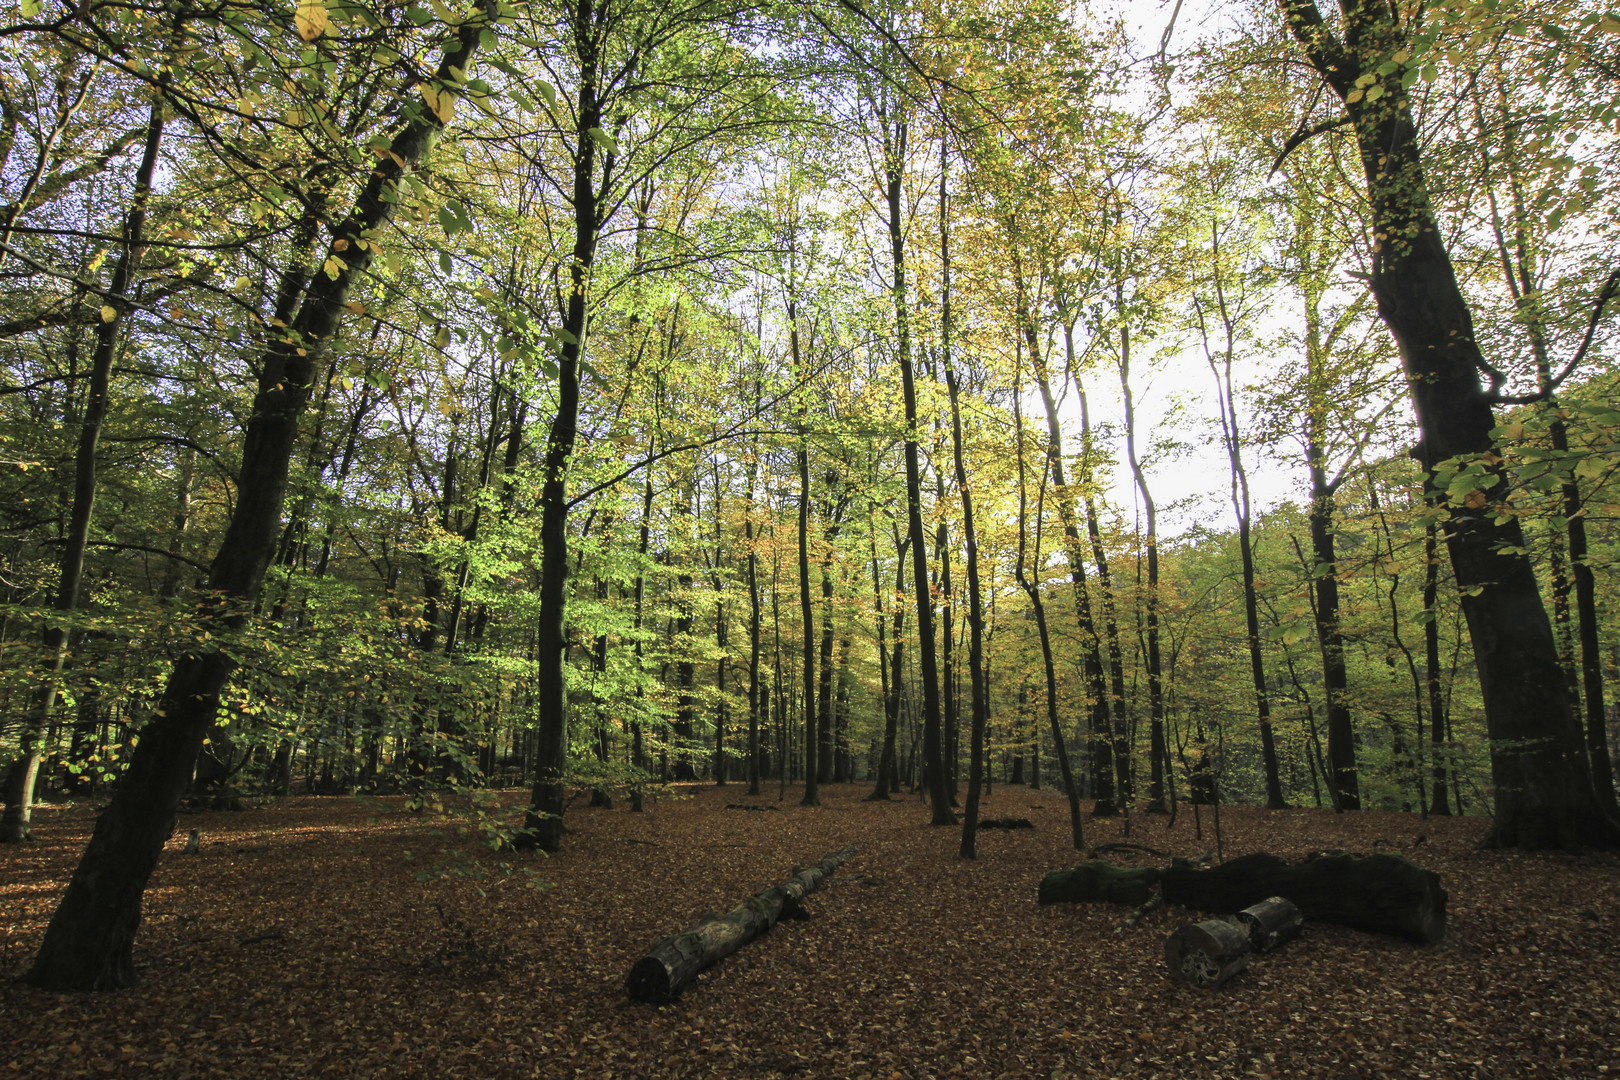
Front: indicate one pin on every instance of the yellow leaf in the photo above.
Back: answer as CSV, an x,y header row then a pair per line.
x,y
244,283
441,100
108,313
311,20
356,307
334,266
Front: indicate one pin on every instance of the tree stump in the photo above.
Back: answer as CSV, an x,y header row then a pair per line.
x,y
1206,954
673,962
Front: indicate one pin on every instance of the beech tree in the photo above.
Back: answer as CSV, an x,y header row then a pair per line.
x,y
1545,795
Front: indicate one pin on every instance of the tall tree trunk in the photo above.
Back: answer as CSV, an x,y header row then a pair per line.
x,y
15,823
754,700
1233,439
894,155
544,824
685,667
1519,271
978,691
1032,589
1159,746
1439,744
807,614
1540,764
1086,475
88,944
1103,737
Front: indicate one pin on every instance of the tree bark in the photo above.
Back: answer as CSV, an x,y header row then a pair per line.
x,y
1150,512
543,826
1109,799
1539,759
1032,589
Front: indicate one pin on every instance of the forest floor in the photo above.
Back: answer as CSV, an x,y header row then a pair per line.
x,y
299,942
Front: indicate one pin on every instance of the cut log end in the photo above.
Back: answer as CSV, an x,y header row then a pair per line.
x,y
1206,954
649,982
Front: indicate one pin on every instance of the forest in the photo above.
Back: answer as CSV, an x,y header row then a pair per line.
x,y
1177,409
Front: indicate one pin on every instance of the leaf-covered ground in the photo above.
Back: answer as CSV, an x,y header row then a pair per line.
x,y
299,942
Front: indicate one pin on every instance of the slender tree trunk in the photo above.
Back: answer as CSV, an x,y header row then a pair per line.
x,y
15,823
544,824
1103,735
1440,750
807,614
754,701
1159,747
1233,439
978,691
894,154
1520,273
1123,743
1032,588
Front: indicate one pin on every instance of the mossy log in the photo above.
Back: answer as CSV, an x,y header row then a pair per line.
x,y
1380,893
1097,880
673,962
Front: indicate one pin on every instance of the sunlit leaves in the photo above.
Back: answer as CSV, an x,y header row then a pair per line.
x,y
311,19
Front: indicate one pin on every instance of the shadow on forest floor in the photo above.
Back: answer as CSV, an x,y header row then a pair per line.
x,y
301,940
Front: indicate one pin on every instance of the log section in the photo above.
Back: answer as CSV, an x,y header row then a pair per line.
x,y
673,962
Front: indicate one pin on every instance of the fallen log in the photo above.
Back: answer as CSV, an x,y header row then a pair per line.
x,y
673,962
1381,893
1097,880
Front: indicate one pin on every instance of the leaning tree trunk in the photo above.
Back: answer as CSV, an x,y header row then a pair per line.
x,y
1032,588
1110,798
1539,764
88,944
